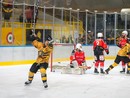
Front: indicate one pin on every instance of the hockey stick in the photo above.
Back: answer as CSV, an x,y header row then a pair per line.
x,y
87,67
84,66
35,17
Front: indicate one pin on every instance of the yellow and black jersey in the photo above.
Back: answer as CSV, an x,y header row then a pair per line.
x,y
37,44
124,50
43,51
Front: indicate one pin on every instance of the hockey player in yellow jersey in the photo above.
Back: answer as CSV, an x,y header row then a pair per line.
x,y
44,51
123,55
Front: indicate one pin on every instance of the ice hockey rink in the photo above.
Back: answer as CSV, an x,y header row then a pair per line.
x,y
89,85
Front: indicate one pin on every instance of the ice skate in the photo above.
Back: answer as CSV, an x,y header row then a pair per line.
x,y
106,71
128,72
123,71
45,84
28,82
101,71
96,71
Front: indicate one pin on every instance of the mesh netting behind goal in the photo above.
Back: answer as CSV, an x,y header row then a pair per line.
x,y
61,53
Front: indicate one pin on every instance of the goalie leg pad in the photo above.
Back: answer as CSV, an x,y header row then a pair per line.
x,y
77,71
66,70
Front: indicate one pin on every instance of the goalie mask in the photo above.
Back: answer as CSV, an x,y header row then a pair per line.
x,y
79,46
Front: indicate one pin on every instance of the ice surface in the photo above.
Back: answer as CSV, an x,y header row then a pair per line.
x,y
114,85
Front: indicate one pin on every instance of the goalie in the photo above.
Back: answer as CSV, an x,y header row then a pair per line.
x,y
77,62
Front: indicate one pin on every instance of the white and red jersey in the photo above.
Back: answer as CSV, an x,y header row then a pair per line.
x,y
79,57
122,42
101,43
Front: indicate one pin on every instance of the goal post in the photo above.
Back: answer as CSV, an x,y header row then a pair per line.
x,y
61,52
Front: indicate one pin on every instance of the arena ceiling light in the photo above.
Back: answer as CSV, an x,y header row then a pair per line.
x,y
78,9
95,11
124,12
70,8
86,10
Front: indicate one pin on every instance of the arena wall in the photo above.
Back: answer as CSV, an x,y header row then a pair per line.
x,y
28,54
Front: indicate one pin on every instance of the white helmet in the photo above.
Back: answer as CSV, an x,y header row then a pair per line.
x,y
79,46
125,32
99,35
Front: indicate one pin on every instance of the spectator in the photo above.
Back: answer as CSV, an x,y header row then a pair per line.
x,y
90,37
63,39
21,17
70,39
28,14
83,40
7,10
79,38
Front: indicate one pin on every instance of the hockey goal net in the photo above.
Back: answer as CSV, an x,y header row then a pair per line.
x,y
60,55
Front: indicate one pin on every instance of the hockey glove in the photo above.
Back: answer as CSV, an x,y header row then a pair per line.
x,y
71,66
119,45
107,51
51,43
